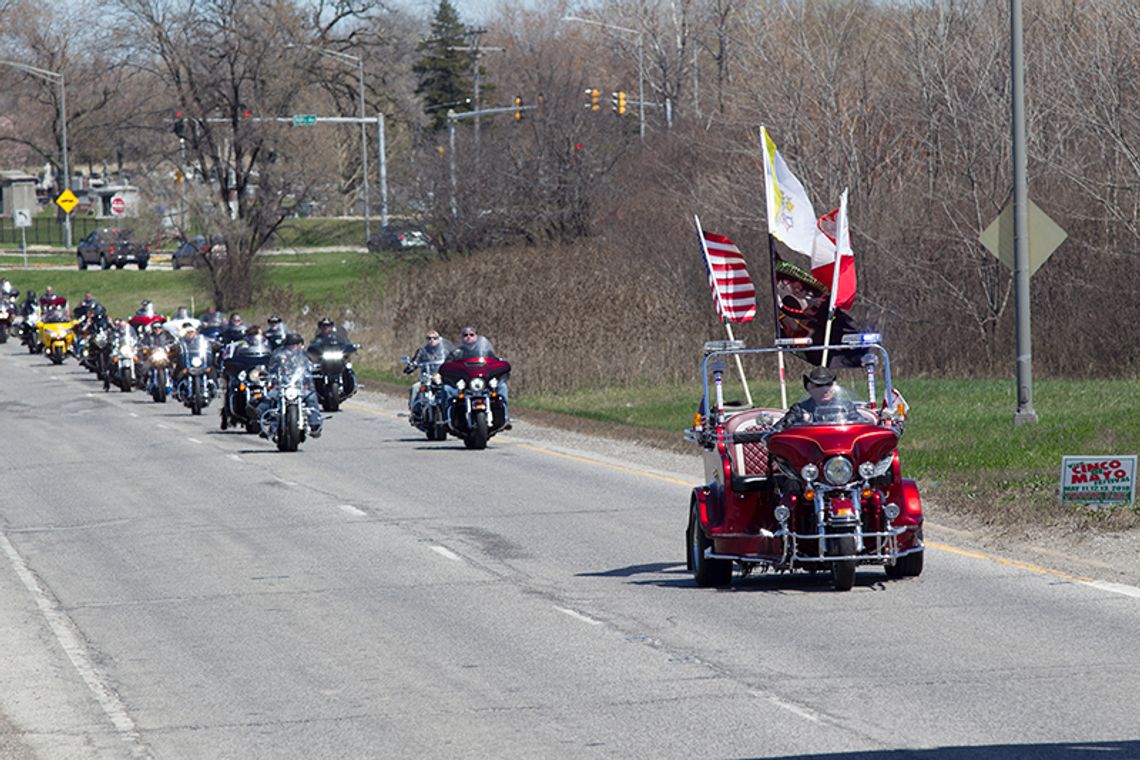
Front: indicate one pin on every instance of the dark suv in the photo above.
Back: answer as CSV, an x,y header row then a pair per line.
x,y
112,245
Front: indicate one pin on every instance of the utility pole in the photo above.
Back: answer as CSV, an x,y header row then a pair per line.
x,y
1025,412
476,50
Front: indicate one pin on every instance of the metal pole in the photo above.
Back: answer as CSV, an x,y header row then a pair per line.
x,y
451,161
641,81
1025,412
364,153
383,164
66,162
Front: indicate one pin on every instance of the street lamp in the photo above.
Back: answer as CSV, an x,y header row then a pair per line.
x,y
349,58
55,76
640,62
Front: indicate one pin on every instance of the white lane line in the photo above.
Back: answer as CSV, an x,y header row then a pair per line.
x,y
578,616
161,426
1116,588
353,510
443,551
290,483
71,642
193,440
792,708
133,414
236,458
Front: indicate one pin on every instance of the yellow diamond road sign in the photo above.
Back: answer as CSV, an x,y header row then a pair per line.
x,y
1044,237
66,201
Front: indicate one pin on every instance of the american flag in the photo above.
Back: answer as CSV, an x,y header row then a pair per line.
x,y
732,288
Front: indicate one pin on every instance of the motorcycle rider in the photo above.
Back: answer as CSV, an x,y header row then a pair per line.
x,y
427,357
275,333
8,291
87,304
327,335
286,359
235,329
822,392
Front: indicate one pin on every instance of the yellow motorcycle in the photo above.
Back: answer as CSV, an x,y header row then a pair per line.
x,y
57,337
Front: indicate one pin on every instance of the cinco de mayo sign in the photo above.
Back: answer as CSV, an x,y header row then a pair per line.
x,y
1100,480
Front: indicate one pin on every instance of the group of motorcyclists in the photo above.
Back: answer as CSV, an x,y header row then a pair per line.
x,y
197,358
462,388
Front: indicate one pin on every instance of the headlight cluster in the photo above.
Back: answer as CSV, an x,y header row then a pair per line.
x,y
333,356
478,384
126,351
158,355
292,393
196,361
461,384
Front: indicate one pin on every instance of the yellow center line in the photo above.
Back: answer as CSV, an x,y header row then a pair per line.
x,y
1003,561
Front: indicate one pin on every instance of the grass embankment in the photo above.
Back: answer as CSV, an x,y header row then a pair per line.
x,y
960,440
324,278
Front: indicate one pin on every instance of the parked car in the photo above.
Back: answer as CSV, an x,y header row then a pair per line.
x,y
191,252
112,245
399,237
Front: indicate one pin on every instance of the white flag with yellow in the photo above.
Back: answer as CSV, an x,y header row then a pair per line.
x,y
791,218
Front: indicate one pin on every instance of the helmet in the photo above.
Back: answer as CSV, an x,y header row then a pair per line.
x,y
156,326
293,339
274,320
182,313
235,319
5,286
326,322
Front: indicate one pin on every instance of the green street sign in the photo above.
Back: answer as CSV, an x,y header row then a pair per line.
x,y
304,119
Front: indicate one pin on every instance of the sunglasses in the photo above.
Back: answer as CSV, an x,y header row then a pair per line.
x,y
468,335
433,337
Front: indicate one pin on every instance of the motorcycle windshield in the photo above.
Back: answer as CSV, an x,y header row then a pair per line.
x,y
480,349
195,352
291,368
838,410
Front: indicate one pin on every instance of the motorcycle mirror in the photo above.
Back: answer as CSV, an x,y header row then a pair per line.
x,y
405,360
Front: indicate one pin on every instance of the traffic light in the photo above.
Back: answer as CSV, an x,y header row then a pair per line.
x,y
179,124
595,96
518,107
618,99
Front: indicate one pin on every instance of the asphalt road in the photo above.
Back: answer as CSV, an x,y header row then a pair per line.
x,y
170,590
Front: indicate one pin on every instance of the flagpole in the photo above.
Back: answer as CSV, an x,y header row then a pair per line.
x,y
776,316
840,223
721,309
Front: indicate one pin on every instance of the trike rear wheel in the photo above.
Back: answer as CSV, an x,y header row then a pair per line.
x,y
707,572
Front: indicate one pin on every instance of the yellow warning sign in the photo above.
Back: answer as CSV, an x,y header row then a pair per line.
x,y
66,200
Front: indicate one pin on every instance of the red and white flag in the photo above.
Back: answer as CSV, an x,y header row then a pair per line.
x,y
827,251
732,288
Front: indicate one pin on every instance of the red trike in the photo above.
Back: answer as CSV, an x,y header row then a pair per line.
x,y
824,493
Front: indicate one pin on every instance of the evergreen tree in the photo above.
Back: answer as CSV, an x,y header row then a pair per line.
x,y
444,71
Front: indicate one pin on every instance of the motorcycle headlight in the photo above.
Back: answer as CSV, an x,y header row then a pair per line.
x,y
461,384
333,356
838,470
494,382
158,355
196,361
241,375
255,374
125,351
292,393
477,384
809,472
867,470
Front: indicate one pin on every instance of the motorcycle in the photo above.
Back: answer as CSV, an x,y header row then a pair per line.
x,y
124,347
29,334
286,413
99,350
824,493
333,376
56,336
194,382
244,379
157,377
9,317
476,409
427,403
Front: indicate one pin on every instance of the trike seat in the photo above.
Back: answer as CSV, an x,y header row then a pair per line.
x,y
749,456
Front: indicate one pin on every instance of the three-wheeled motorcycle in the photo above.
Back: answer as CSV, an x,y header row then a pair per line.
x,y
821,493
